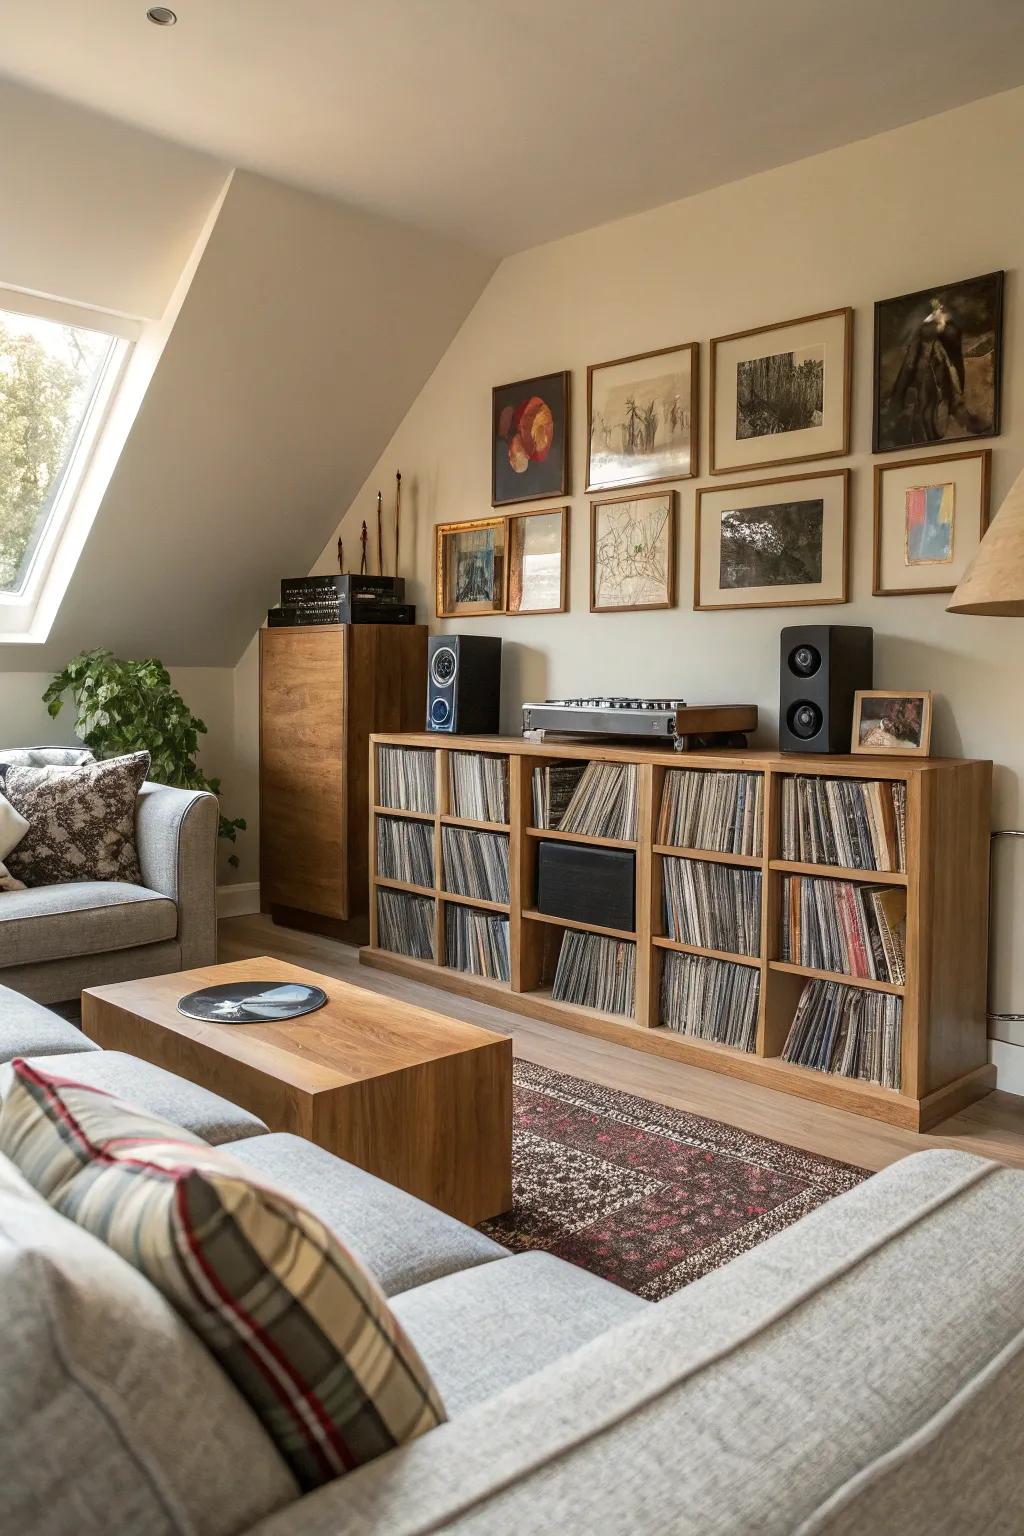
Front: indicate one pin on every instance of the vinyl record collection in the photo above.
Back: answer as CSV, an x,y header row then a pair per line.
x,y
596,972
854,823
602,801
723,812
847,1031
475,863
405,778
553,788
405,850
712,905
477,942
479,786
405,923
710,999
856,930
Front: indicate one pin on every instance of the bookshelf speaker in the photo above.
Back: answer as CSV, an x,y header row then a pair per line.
x,y
464,684
822,666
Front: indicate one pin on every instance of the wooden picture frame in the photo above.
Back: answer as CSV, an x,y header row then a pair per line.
x,y
664,537
877,749
818,332
515,554
689,378
835,509
928,469
444,533
538,469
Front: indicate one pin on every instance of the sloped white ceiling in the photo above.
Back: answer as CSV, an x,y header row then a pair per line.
x,y
307,332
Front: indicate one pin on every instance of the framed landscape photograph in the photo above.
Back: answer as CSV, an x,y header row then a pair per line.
x,y
633,553
530,440
891,724
642,418
538,561
938,364
930,516
469,563
781,394
772,543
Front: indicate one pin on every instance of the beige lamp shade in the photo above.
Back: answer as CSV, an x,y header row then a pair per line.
x,y
994,580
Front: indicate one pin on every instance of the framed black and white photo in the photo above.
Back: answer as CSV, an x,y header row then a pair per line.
x,y
642,418
772,543
938,364
781,394
930,516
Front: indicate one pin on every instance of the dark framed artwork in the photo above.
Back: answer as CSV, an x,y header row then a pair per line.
x,y
538,560
781,394
633,553
530,440
469,567
930,516
938,364
773,543
643,418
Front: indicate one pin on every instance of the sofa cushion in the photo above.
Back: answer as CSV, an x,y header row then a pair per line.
x,y
486,1328
81,821
89,917
13,826
45,757
28,1029
157,1092
402,1240
296,1322
113,1416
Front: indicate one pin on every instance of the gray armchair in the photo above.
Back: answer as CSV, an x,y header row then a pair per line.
x,y
57,939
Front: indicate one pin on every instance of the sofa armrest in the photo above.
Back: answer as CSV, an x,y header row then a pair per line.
x,y
176,834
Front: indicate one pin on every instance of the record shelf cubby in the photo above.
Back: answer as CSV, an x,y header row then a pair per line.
x,y
942,1051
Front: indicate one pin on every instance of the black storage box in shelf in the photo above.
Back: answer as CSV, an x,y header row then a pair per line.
x,y
587,884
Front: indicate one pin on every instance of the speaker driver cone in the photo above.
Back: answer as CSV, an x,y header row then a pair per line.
x,y
804,660
804,719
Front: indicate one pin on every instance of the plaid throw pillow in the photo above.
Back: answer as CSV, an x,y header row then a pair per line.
x,y
303,1331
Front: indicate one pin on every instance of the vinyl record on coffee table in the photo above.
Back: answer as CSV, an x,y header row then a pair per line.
x,y
252,1002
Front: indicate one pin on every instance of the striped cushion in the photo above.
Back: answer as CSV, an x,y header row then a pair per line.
x,y
296,1322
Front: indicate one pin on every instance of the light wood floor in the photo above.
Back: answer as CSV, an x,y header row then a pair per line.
x,y
993,1127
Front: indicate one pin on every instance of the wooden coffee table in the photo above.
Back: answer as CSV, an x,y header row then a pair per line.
x,y
420,1100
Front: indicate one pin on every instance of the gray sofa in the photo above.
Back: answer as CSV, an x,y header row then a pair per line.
x,y
57,939
861,1372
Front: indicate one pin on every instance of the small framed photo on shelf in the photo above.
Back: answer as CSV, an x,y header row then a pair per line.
x,y
891,724
781,394
772,543
538,561
642,418
930,517
633,553
530,440
469,567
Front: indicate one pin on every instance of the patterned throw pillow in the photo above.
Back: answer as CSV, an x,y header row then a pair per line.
x,y
81,821
303,1331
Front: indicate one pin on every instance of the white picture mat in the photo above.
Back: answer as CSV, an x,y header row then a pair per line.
x,y
830,490
967,475
731,452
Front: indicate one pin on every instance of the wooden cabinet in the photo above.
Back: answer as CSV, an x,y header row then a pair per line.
x,y
323,690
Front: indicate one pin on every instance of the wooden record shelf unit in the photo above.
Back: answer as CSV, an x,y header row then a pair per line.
x,y
944,1050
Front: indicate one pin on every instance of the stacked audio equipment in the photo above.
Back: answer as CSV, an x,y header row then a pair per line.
x,y
463,684
821,668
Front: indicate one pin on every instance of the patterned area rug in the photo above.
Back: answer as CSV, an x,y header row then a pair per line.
x,y
645,1195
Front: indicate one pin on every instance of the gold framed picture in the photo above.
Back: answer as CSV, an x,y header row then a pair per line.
x,y
538,561
643,418
470,568
781,394
930,517
891,724
633,553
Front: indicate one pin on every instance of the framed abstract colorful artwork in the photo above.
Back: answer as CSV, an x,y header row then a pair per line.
x,y
930,516
530,440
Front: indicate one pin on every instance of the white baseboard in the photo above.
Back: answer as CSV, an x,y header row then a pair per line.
x,y
1009,1064
242,900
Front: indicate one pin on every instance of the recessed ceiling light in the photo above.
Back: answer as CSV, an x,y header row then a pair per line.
x,y
161,16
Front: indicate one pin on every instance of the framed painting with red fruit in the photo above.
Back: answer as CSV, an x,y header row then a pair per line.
x,y
530,448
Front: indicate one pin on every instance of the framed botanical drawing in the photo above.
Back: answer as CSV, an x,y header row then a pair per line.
x,y
642,418
633,553
469,565
938,364
930,516
538,560
773,543
530,440
781,394
887,723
